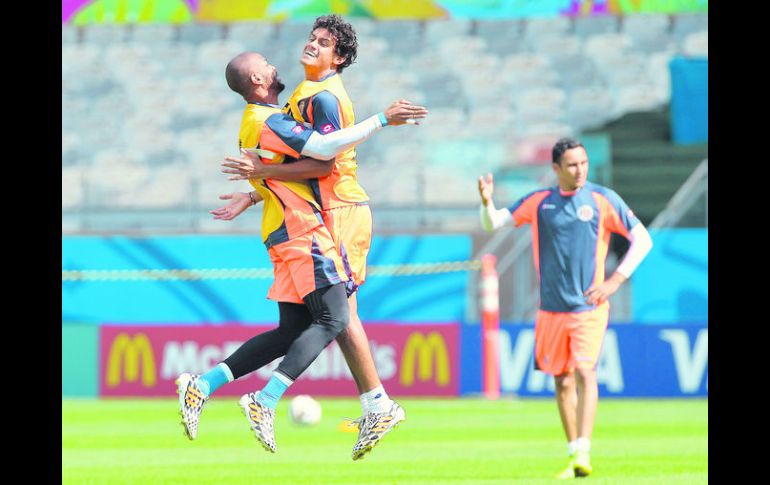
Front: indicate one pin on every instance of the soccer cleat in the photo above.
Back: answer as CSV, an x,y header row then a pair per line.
x,y
191,401
582,464
261,420
374,426
568,472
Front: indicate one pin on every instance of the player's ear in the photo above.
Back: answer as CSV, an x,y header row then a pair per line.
x,y
338,60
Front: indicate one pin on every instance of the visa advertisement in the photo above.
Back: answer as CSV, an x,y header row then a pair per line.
x,y
635,361
412,360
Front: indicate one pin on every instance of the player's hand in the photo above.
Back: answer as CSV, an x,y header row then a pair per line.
x,y
249,167
486,188
239,202
402,111
598,294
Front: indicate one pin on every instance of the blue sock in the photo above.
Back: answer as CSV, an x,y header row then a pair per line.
x,y
273,390
215,378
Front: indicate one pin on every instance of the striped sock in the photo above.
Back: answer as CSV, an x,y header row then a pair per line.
x,y
215,378
273,390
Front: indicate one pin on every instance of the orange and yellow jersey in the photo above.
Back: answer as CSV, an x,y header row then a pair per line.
x,y
325,106
290,208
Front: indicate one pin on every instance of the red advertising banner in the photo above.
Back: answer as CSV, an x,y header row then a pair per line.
x,y
412,360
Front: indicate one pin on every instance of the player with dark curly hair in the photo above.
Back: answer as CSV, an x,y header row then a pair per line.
x,y
322,102
345,41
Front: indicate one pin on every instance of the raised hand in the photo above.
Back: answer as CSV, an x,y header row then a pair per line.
x,y
486,188
402,111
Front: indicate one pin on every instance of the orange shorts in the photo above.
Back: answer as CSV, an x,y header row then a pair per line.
x,y
564,340
351,227
305,264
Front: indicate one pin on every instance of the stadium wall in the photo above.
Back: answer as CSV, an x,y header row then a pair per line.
x,y
126,330
413,360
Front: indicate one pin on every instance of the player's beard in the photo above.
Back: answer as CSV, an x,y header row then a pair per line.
x,y
278,85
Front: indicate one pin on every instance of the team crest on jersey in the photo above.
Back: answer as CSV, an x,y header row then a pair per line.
x,y
585,213
327,128
298,129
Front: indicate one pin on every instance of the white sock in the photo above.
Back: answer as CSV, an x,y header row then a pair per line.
x,y
375,401
571,447
583,444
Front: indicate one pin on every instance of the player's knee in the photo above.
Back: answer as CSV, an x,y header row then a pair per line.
x,y
586,374
338,318
565,381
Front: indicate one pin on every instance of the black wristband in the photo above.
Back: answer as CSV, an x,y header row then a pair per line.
x,y
253,200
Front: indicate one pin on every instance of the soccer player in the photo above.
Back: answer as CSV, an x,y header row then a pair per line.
x,y
310,277
321,101
296,239
571,226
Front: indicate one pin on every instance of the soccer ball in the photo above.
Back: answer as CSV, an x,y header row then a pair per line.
x,y
304,410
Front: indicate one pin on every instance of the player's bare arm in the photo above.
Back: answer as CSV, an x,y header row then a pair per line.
x,y
641,243
598,294
252,167
239,202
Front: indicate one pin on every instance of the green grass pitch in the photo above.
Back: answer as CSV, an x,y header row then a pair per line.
x,y
442,441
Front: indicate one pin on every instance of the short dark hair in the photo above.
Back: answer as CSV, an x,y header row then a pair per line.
x,y
346,43
561,146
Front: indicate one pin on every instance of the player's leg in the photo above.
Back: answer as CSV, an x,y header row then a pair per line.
x,y
352,228
329,310
194,390
552,357
566,400
317,275
587,333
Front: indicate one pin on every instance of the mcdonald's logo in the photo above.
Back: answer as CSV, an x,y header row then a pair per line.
x,y
422,352
129,351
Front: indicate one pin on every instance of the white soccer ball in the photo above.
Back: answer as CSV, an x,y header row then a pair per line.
x,y
304,410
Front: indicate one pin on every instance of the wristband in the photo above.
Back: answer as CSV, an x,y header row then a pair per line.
x,y
383,120
253,201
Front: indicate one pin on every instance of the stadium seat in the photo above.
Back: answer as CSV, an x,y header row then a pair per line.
x,y
589,107
198,33
103,34
660,74
528,69
603,46
293,31
556,47
648,32
69,34
645,24
588,25
538,27
696,44
442,29
502,37
252,34
153,33
213,55
686,24
635,97
71,188
619,70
